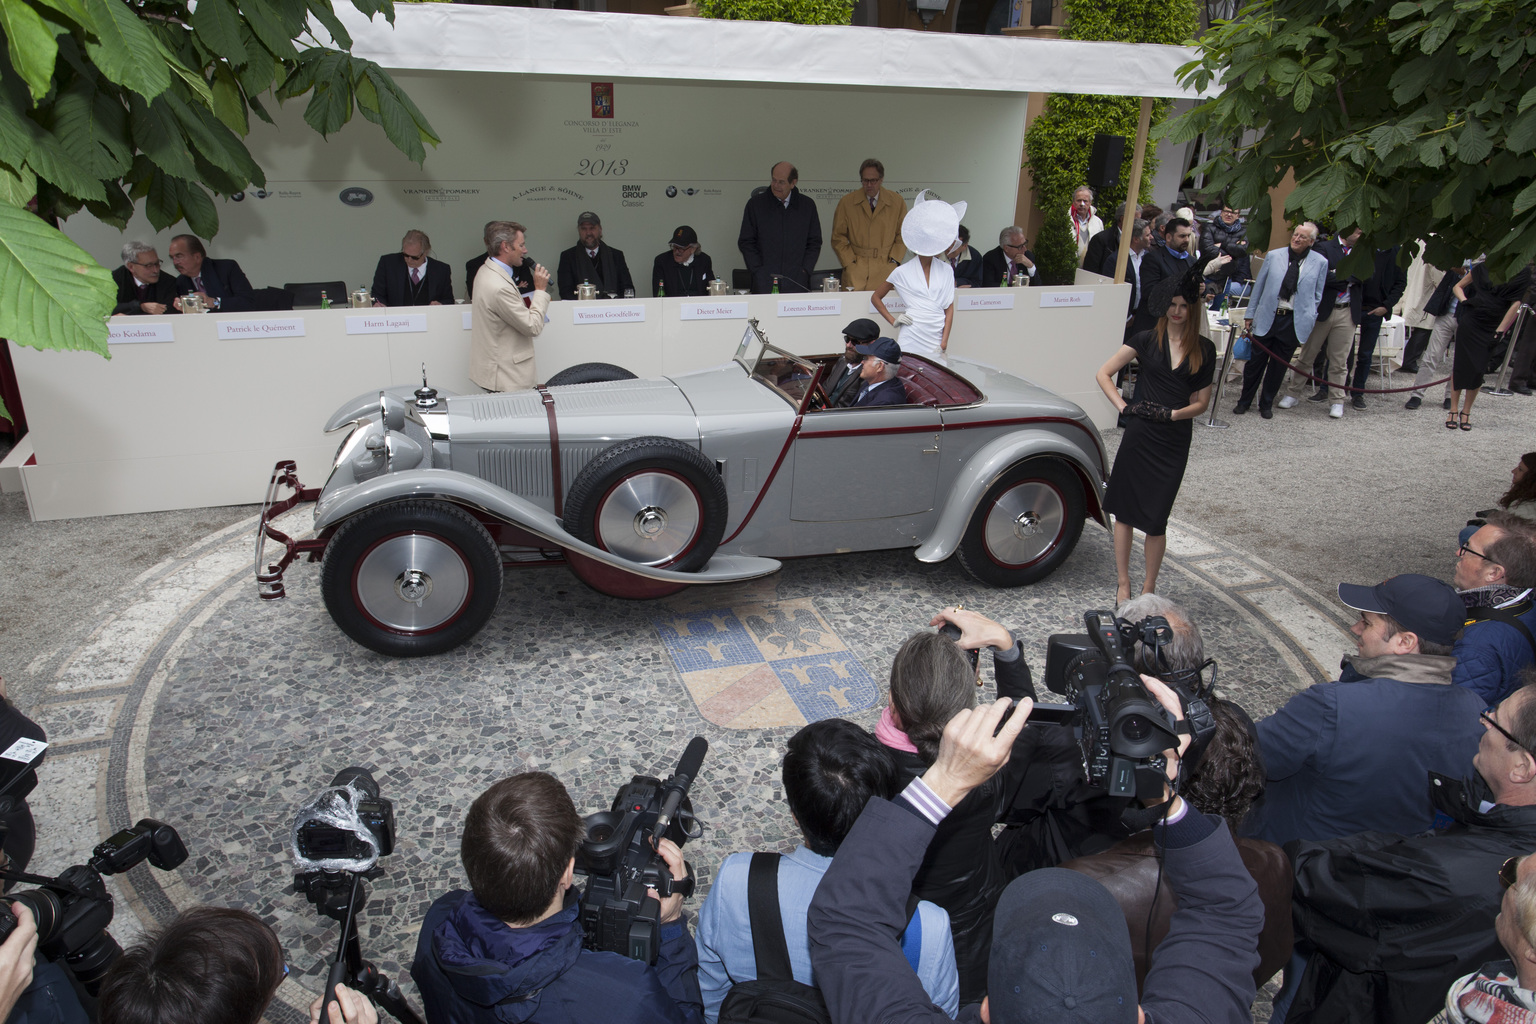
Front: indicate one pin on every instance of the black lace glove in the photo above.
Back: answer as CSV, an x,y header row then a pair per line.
x,y
1153,411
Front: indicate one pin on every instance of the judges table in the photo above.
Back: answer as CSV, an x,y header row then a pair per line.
x,y
194,410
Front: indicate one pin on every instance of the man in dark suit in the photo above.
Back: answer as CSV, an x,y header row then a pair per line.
x,y
141,289
1168,258
593,260
221,283
1011,262
684,269
881,385
965,258
1373,302
522,274
780,233
842,380
411,277
1141,243
1104,246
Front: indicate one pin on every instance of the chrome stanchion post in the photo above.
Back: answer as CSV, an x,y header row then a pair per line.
x,y
1502,387
1210,419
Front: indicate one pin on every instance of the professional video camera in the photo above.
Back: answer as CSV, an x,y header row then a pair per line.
x,y
73,910
620,861
1123,729
338,838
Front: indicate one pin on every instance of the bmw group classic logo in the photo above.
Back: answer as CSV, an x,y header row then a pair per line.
x,y
356,196
671,191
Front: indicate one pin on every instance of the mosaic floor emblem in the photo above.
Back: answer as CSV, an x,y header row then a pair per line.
x,y
757,666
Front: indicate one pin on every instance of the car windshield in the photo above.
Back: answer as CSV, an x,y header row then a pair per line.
x,y
778,368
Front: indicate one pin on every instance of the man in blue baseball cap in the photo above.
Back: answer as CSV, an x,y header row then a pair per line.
x,y
1352,755
882,360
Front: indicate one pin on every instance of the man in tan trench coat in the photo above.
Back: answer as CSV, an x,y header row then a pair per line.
x,y
502,324
866,230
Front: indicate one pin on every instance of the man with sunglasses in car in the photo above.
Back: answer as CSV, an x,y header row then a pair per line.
x,y
1496,574
1390,921
1352,755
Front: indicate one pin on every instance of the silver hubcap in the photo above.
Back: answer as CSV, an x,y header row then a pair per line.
x,y
650,518
1024,523
412,583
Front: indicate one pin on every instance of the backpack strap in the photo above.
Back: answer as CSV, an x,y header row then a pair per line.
x,y
768,945
1507,617
912,937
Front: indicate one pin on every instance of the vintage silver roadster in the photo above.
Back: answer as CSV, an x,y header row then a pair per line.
x,y
644,487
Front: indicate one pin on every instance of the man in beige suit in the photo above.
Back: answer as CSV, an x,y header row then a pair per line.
x,y
503,325
866,230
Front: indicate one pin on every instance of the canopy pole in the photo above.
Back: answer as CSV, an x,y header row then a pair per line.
x,y
1133,193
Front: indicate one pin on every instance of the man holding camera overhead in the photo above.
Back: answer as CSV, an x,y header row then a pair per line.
x,y
511,948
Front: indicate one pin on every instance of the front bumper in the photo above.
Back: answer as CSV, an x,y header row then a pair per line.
x,y
269,580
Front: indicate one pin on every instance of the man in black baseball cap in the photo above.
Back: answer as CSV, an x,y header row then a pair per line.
x,y
684,269
593,261
882,360
1061,952
1352,756
842,377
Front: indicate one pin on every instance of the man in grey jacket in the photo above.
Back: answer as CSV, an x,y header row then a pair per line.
x,y
1286,295
1061,951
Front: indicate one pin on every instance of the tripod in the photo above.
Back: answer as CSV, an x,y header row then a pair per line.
x,y
325,890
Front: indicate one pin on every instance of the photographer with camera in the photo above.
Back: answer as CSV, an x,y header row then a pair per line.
x,y
511,949
209,964
934,677
1060,950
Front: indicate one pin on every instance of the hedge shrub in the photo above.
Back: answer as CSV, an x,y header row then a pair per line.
x,y
799,12
1059,141
1056,250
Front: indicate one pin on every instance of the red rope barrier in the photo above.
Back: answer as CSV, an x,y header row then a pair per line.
x,y
1344,387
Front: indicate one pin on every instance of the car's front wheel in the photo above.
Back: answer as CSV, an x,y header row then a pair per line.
x,y
411,578
1026,524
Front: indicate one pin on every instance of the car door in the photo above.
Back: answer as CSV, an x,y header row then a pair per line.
x,y
871,463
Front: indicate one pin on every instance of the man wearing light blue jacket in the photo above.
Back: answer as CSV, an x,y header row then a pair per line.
x,y
1286,295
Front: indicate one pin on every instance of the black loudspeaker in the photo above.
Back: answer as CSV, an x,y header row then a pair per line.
x,y
1105,160
1040,12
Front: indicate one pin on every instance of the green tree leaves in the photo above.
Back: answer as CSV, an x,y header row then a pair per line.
x,y
103,102
1421,123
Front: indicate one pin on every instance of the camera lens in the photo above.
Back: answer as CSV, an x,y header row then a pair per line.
x,y
91,961
46,910
1135,728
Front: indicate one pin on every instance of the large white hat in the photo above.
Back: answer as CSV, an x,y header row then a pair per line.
x,y
932,225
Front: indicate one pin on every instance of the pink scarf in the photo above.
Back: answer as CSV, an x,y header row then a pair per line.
x,y
889,733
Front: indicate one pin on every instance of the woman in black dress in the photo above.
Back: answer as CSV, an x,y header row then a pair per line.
x,y
1173,386
1483,310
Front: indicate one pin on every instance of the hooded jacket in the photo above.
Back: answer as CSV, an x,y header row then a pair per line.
x,y
1396,919
1351,756
472,968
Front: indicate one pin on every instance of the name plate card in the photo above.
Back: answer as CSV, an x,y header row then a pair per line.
x,y
594,313
713,311
387,323
964,301
1056,300
892,302
469,323
133,333
810,307
284,328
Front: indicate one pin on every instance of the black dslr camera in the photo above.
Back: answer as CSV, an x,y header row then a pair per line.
x,y
620,861
319,839
73,910
1123,729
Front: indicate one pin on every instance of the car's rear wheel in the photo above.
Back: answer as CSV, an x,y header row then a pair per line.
x,y
652,500
589,373
1026,524
411,578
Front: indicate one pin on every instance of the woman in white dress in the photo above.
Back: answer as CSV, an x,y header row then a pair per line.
x,y
926,285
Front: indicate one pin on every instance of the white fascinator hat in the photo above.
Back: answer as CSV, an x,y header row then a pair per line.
x,y
932,225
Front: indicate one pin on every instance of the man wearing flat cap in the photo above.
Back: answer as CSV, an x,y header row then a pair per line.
x,y
1352,756
684,269
593,261
842,381
882,360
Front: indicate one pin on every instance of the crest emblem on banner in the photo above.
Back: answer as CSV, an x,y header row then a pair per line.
x,y
757,666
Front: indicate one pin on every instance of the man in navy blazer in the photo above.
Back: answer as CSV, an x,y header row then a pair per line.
x,y
221,283
881,385
410,277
